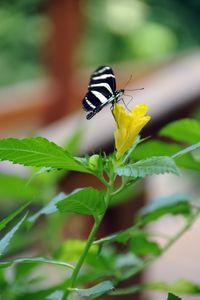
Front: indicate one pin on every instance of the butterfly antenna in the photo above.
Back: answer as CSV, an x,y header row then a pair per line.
x,y
138,89
130,78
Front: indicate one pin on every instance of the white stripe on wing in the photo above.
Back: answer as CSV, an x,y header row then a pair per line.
x,y
100,96
102,70
106,85
104,76
89,103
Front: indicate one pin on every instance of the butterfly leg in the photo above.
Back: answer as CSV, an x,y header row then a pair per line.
x,y
121,99
129,100
126,105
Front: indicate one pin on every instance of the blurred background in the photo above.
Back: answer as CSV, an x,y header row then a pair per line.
x,y
48,50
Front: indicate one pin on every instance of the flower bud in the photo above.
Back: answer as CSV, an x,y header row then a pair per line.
x,y
93,161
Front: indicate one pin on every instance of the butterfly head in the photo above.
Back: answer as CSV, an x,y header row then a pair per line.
x,y
118,94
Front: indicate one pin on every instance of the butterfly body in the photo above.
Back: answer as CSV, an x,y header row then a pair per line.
x,y
101,91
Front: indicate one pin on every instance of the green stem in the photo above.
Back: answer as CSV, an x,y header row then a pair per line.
x,y
187,226
150,260
88,244
122,186
142,266
103,180
83,255
85,252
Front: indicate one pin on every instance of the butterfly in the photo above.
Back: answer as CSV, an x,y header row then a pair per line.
x,y
101,91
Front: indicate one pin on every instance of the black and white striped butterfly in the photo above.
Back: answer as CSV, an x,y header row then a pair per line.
x,y
101,91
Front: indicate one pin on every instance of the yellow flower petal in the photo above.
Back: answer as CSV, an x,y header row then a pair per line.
x,y
140,110
129,124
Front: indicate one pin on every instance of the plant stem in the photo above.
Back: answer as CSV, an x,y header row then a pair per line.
x,y
85,252
187,226
150,260
90,240
103,180
83,255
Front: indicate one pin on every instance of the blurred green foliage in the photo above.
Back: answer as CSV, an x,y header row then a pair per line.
x,y
113,31
131,29
20,40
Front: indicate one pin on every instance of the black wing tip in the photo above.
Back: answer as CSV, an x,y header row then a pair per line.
x,y
90,115
101,67
85,106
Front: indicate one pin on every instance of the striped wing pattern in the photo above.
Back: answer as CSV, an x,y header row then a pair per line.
x,y
101,87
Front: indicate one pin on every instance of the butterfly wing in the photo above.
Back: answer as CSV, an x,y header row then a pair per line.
x,y
101,87
103,75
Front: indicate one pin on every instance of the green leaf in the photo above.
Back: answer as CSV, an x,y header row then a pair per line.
x,y
71,250
87,201
155,148
3,282
126,194
48,176
39,295
57,295
5,241
186,150
45,170
149,166
8,219
50,208
173,204
126,265
23,270
173,297
182,286
38,152
15,187
126,261
100,288
6,264
141,245
184,130
158,148
121,237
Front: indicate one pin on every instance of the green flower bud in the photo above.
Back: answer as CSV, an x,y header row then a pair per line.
x,y
93,161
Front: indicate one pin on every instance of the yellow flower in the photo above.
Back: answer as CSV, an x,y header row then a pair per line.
x,y
129,124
